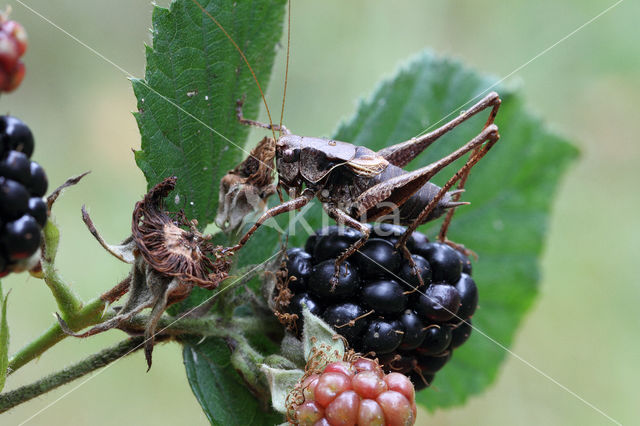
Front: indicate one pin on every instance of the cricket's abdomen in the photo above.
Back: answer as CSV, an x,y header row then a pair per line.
x,y
406,212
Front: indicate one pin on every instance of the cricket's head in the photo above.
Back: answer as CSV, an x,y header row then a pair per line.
x,y
288,160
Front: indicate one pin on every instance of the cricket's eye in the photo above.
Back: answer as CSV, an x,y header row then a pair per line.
x,y
290,155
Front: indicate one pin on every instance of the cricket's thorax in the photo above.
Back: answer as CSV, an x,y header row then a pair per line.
x,y
312,160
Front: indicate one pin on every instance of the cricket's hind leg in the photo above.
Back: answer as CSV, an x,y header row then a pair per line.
x,y
402,153
491,136
278,128
343,218
442,235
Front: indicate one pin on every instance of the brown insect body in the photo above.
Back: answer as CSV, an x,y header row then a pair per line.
x,y
356,184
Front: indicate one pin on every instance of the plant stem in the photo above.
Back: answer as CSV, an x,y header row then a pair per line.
x,y
210,326
10,399
68,302
89,315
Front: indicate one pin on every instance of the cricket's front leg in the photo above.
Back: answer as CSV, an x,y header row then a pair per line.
x,y
296,203
343,218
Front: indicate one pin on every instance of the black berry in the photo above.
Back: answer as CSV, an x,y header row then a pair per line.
x,y
431,364
20,238
440,302
38,210
444,261
304,299
378,258
38,183
466,263
460,334
347,319
299,267
385,297
382,336
468,296
388,232
14,199
15,135
323,284
376,303
414,331
407,274
436,341
16,166
333,242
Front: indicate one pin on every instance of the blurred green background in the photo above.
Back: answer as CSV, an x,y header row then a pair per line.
x,y
583,329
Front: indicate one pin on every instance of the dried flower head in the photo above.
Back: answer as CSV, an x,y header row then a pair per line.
x,y
172,245
168,256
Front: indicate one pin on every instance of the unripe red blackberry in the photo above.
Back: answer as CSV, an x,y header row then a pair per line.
x,y
9,53
356,393
19,35
13,44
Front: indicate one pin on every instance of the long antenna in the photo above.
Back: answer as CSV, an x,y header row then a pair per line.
x,y
245,60
286,70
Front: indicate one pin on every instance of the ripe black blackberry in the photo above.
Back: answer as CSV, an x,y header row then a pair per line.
x,y
23,182
409,314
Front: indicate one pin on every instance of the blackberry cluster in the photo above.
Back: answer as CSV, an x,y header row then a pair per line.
x,y
23,183
13,44
379,304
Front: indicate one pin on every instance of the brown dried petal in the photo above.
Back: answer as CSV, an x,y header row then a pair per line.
x,y
172,250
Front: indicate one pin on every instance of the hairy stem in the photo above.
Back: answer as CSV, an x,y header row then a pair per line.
x,y
209,326
15,397
90,314
68,302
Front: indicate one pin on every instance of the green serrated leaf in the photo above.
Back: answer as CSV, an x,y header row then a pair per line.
x,y
4,339
511,192
193,78
218,387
